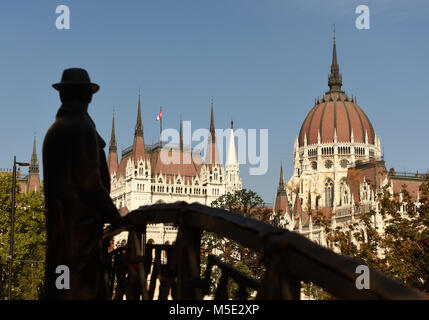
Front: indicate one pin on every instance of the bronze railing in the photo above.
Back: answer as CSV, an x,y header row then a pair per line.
x,y
289,258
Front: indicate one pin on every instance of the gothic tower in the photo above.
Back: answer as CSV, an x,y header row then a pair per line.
x,y
33,173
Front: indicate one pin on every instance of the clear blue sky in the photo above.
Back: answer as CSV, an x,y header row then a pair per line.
x,y
263,61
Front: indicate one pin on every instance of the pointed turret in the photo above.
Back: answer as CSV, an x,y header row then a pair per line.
x,y
112,160
297,208
33,172
232,168
335,80
231,159
138,145
181,134
112,145
34,163
212,127
282,203
139,125
212,156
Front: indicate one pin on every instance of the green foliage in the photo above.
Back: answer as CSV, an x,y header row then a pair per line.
x,y
29,241
234,290
246,203
399,250
309,289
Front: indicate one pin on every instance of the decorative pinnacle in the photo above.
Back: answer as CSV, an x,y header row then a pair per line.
x,y
34,164
112,146
282,188
212,127
335,80
139,125
181,133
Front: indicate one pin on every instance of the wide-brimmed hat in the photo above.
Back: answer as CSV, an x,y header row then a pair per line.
x,y
76,76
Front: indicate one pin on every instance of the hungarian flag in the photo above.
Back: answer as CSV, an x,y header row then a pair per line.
x,y
158,118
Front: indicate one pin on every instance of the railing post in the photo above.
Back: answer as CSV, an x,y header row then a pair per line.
x,y
136,277
276,283
188,246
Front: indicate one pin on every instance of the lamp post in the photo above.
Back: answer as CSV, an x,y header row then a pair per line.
x,y
12,221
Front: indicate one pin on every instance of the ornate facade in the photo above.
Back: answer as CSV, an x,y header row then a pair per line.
x,y
31,182
159,174
338,165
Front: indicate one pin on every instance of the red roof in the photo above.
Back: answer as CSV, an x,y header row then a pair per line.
x,y
182,164
112,162
336,111
282,204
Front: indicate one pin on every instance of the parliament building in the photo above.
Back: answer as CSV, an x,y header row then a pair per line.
x,y
144,177
338,165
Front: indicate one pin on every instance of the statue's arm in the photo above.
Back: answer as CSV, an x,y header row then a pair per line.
x,y
87,176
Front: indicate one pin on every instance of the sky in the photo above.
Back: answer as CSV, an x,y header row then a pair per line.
x,y
264,63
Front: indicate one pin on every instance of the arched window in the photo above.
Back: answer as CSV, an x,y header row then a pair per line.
x,y
344,197
329,193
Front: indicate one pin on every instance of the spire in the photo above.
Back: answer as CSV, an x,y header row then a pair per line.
x,y
139,124
335,80
112,159
33,182
282,203
112,146
138,145
181,134
34,164
212,156
282,180
212,127
231,159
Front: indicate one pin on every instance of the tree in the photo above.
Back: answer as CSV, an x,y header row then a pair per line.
x,y
399,250
246,203
29,241
234,289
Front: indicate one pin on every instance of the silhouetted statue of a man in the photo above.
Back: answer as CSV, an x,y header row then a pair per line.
x,y
76,186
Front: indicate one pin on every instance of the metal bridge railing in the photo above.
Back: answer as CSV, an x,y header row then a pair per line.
x,y
289,258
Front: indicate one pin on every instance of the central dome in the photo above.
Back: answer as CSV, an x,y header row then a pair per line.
x,y
336,113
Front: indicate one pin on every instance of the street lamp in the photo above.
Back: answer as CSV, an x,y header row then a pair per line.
x,y
12,223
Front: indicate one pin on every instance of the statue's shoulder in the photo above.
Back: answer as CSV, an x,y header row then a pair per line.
x,y
69,127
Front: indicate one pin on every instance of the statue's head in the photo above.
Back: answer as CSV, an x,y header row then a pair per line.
x,y
75,86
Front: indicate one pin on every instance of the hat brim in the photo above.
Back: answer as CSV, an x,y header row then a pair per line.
x,y
57,86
